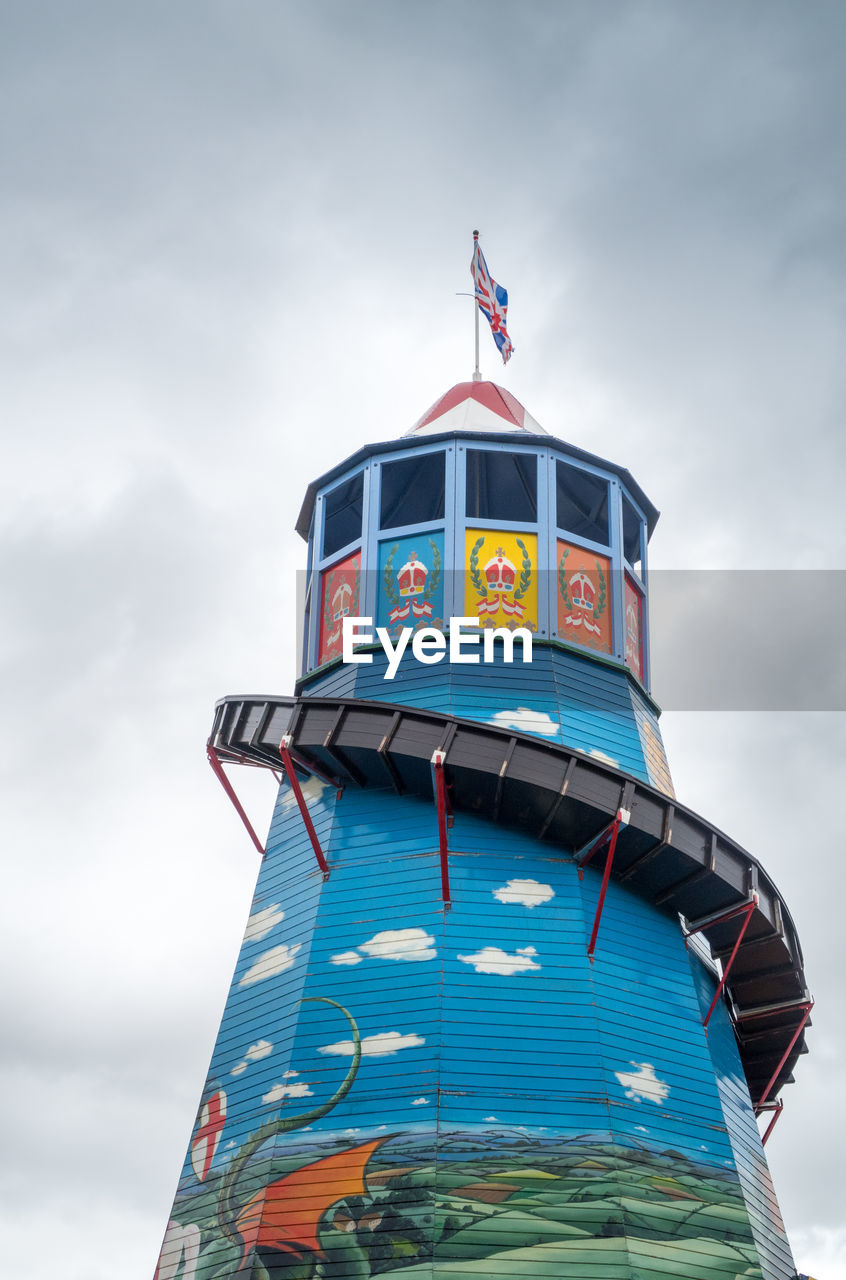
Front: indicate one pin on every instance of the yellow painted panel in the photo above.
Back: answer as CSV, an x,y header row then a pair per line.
x,y
501,580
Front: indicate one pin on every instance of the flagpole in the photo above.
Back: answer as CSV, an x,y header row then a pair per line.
x,y
477,377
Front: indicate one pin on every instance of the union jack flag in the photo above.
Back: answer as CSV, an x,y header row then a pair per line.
x,y
492,300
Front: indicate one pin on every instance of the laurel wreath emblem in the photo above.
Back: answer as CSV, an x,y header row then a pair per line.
x,y
526,574
601,598
562,579
327,596
475,575
388,577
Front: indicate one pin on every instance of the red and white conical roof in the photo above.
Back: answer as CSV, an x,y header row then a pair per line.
x,y
476,406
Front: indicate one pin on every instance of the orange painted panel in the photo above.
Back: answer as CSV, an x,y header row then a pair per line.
x,y
584,597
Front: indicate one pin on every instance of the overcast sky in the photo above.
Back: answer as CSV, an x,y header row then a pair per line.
x,y
231,239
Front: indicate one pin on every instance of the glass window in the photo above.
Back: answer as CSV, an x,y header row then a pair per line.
x,y
632,525
581,503
412,490
342,510
502,486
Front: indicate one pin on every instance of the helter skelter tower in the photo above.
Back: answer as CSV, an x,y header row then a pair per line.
x,y
504,1007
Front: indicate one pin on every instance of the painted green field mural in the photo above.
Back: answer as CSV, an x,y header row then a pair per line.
x,y
493,1204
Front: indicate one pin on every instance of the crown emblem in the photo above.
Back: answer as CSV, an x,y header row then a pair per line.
x,y
341,601
583,592
500,573
411,578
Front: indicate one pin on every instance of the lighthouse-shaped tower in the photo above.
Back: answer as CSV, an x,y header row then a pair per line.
x,y
504,1006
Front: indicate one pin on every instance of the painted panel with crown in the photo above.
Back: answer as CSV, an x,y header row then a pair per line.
x,y
411,585
634,629
340,596
501,581
584,597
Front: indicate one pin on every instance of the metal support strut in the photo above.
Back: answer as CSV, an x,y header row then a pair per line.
x,y
442,803
745,910
806,1006
776,1107
285,753
214,761
609,836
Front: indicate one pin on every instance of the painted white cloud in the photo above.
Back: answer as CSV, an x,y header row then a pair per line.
x,y
288,1075
312,790
281,1091
256,1051
274,961
261,922
400,944
525,720
491,1120
529,893
642,1084
347,957
604,757
375,1046
420,1102
495,960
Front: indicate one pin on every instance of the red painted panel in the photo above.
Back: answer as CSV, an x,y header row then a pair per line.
x,y
634,629
340,595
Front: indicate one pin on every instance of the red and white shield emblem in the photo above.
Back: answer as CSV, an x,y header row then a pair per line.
x,y
210,1124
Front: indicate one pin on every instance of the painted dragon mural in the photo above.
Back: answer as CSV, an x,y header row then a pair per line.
x,y
502,1202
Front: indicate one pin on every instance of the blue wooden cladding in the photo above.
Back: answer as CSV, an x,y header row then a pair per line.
x,y
535,1114
419,1090
563,696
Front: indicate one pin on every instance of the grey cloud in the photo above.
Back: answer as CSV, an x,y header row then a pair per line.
x,y
754,640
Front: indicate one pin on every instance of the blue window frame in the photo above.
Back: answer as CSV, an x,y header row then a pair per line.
x,y
632,535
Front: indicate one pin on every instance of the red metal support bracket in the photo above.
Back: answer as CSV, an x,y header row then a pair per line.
x,y
609,837
806,1006
215,762
443,808
745,909
776,1107
288,765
